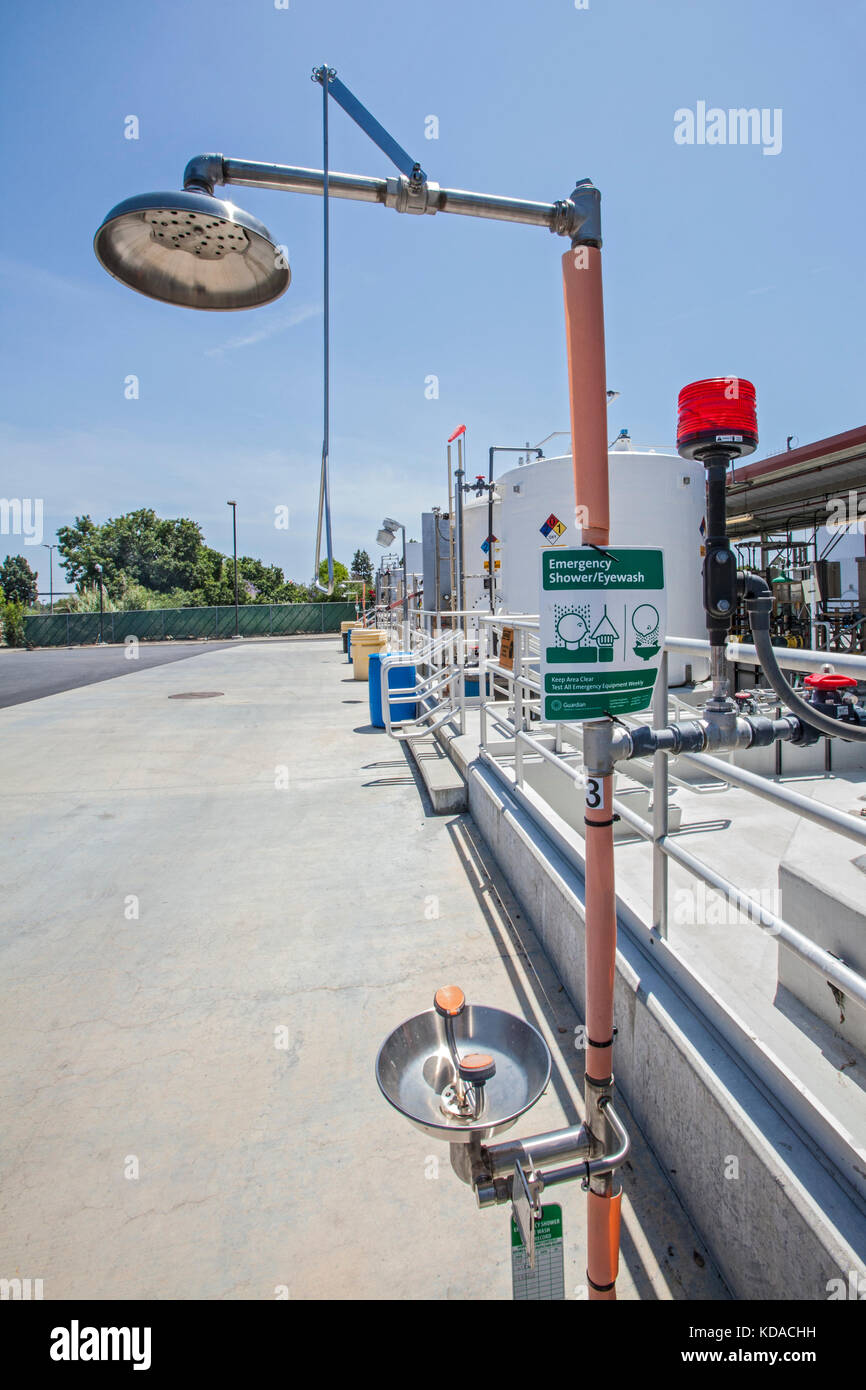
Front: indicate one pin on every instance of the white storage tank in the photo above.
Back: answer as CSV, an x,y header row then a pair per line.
x,y
656,499
475,525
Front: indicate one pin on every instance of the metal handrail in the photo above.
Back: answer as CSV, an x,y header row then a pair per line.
x,y
849,981
441,678
790,658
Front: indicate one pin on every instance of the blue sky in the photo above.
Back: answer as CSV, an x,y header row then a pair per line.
x,y
718,259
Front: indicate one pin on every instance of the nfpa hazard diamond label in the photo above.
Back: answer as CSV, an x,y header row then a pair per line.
x,y
553,528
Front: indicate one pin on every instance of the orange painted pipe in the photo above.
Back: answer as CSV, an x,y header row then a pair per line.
x,y
603,1221
600,933
584,335
587,380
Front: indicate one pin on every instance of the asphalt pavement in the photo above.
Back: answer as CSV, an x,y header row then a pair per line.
x,y
30,675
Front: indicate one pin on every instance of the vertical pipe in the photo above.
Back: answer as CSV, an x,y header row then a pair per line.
x,y
458,495
660,805
584,327
491,559
603,1219
430,601
234,508
451,534
584,330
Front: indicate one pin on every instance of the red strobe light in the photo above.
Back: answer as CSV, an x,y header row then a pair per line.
x,y
717,416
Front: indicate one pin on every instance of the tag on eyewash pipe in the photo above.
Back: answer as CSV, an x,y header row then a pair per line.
x,y
546,1282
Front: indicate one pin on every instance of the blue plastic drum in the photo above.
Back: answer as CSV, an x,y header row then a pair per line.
x,y
399,678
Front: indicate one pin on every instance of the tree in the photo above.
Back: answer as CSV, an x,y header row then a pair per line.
x,y
75,546
362,566
18,581
266,581
159,554
341,574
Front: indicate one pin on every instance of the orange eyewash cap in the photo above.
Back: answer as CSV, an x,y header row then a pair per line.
x,y
449,1000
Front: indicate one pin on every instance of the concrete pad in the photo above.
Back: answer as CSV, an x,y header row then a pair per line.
x,y
213,911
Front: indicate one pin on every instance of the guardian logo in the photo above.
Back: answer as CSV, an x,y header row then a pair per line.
x,y
74,1343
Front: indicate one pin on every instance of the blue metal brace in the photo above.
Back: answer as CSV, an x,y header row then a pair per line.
x,y
370,126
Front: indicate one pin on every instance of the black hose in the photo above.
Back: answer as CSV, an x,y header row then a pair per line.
x,y
759,604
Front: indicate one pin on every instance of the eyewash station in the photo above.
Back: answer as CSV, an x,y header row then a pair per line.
x,y
460,1071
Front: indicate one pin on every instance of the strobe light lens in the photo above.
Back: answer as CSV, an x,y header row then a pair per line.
x,y
717,415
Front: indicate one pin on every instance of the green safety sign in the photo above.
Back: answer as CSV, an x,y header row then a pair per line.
x,y
601,630
547,1280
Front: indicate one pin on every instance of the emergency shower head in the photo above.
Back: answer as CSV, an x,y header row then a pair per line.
x,y
192,249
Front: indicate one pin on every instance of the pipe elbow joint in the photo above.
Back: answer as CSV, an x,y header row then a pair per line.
x,y
204,171
579,216
759,600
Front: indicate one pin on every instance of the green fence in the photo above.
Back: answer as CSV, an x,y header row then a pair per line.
x,y
160,624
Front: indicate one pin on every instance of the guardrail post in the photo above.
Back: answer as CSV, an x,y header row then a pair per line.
x,y
483,638
517,673
660,805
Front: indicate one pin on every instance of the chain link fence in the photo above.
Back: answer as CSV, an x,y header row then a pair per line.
x,y
183,624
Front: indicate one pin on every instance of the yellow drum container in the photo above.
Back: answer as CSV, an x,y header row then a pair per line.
x,y
365,641
344,628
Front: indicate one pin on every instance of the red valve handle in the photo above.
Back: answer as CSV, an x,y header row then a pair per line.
x,y
830,681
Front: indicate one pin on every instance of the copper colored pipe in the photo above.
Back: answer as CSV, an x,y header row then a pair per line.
x,y
584,333
600,934
603,1217
584,336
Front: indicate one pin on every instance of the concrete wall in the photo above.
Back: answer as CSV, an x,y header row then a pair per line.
x,y
783,1227
822,881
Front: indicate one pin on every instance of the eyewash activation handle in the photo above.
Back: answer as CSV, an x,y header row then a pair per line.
x,y
759,603
465,1096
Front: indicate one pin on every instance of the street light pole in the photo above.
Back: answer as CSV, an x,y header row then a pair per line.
x,y
386,534
234,507
51,549
101,642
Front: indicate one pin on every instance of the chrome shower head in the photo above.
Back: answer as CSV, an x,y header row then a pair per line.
x,y
192,249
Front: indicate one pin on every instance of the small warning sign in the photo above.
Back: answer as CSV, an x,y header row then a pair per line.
x,y
553,528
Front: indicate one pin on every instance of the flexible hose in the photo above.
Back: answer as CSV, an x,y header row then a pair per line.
x,y
759,603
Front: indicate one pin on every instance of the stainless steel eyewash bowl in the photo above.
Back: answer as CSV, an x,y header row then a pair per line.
x,y
415,1071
